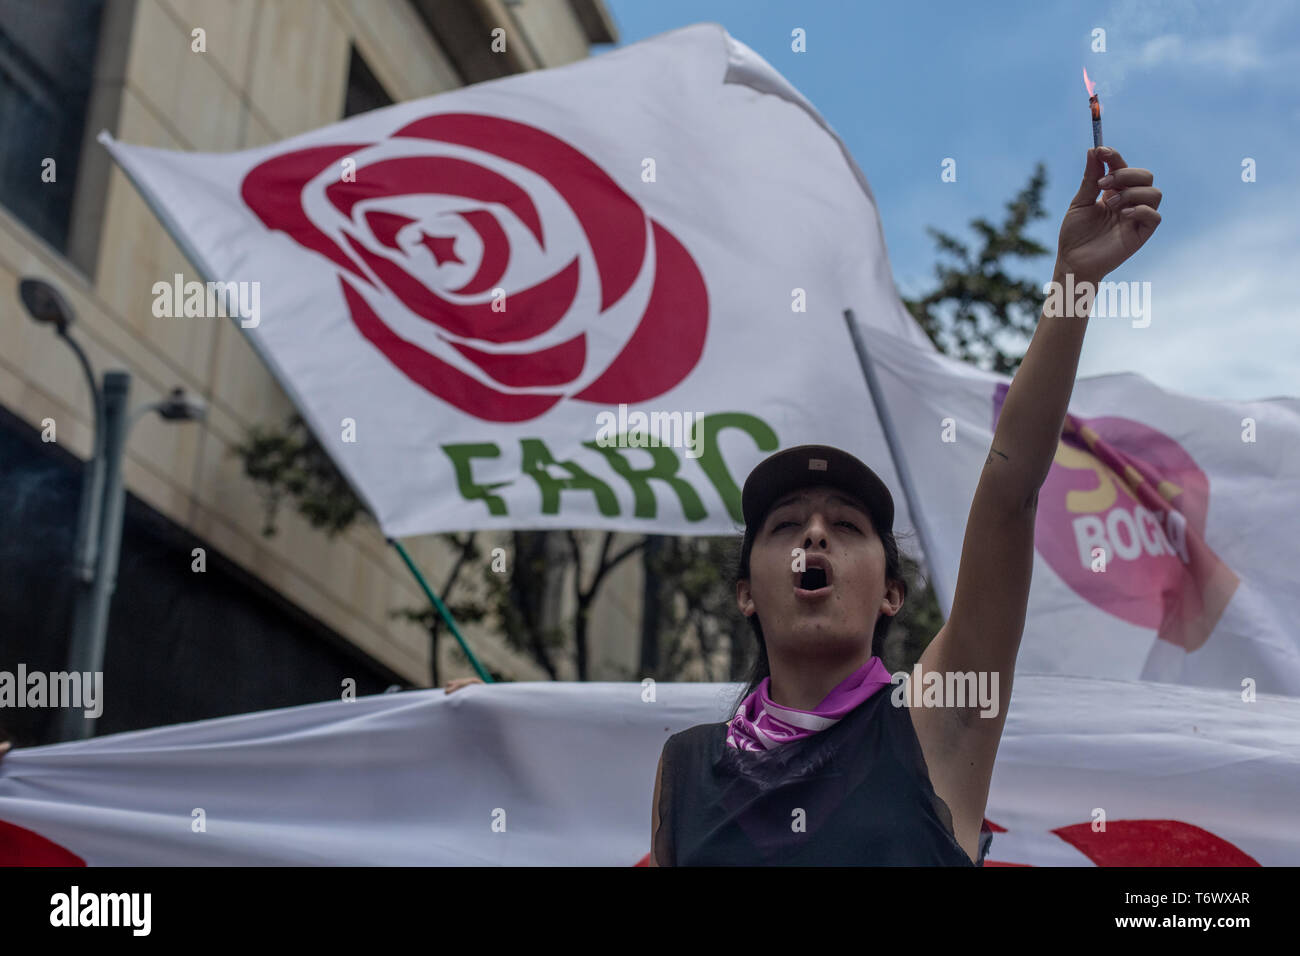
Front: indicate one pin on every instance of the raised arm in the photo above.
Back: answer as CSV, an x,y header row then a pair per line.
x,y
983,631
988,613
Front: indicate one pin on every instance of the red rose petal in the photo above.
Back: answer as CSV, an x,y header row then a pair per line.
x,y
385,226
496,252
439,378
670,338
273,191
557,365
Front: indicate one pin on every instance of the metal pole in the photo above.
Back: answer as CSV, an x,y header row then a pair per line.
x,y
919,520
442,610
86,653
92,485
86,550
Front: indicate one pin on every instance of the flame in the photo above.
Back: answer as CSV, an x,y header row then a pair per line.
x,y
1088,83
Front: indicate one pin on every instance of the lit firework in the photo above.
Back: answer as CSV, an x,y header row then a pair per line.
x,y
1096,108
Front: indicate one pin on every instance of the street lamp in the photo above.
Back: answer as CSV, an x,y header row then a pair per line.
x,y
99,517
46,306
181,406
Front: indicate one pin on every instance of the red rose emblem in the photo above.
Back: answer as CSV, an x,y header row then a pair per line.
x,y
493,264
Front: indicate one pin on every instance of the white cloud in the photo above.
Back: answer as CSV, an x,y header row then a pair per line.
x,y
1223,40
1225,319
1237,53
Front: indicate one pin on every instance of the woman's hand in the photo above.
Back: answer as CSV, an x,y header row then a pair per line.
x,y
460,682
1096,237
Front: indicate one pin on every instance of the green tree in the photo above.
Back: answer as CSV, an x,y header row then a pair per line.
x,y
978,312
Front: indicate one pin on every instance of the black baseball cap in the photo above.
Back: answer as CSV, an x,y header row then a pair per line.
x,y
804,466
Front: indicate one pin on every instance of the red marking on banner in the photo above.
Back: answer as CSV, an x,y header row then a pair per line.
x,y
21,847
1152,843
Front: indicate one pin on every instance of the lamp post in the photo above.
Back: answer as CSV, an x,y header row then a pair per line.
x,y
99,516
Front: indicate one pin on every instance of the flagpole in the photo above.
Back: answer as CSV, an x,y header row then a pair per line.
x,y
442,610
919,520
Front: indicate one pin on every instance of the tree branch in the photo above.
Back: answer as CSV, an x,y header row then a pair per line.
x,y
607,566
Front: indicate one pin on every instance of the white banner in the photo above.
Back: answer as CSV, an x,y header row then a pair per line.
x,y
474,298
1165,543
1089,772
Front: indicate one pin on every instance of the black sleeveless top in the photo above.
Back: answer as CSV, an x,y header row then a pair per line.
x,y
855,794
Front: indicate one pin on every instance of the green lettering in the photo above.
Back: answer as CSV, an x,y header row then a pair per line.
x,y
460,456
664,469
706,439
537,457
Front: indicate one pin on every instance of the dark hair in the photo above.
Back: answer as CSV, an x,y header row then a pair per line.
x,y
760,668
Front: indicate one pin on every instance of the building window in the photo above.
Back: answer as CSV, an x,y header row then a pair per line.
x,y
47,60
364,91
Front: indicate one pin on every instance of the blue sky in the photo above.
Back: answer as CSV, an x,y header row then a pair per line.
x,y
1189,89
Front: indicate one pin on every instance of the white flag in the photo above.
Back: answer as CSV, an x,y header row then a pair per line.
x,y
591,296
562,774
1166,542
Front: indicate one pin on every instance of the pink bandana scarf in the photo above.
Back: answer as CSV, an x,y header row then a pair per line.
x,y
761,724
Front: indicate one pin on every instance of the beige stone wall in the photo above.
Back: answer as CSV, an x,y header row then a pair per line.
x,y
551,28
272,69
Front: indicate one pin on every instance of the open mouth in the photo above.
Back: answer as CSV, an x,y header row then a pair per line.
x,y
815,579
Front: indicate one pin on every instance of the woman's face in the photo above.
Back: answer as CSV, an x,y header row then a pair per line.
x,y
801,613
